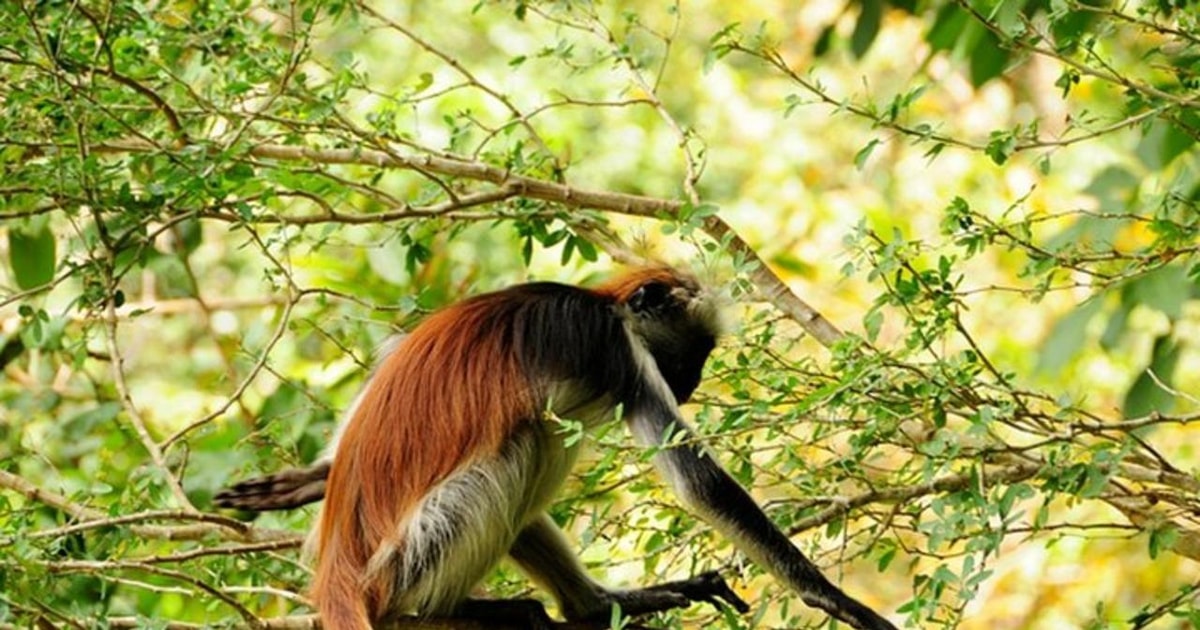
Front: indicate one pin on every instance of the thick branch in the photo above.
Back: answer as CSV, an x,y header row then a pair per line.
x,y
949,483
312,622
1141,512
772,288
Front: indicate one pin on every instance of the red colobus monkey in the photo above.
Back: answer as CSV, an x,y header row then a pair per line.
x,y
447,462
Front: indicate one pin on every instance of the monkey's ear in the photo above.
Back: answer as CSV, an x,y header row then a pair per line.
x,y
650,296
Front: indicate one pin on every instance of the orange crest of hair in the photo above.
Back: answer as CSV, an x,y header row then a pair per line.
x,y
622,287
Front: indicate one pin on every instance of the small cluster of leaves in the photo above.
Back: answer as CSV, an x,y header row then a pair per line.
x,y
1162,273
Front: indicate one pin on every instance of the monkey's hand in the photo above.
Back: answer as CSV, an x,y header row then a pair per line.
x,y
285,490
707,587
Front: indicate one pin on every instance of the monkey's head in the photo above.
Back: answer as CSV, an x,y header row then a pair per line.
x,y
676,318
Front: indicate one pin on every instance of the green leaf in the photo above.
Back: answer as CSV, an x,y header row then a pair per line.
x,y
1147,393
44,332
886,559
988,59
1066,337
190,234
860,158
1114,188
872,322
1069,78
32,256
1000,145
1043,164
1012,494
1095,481
689,213
568,249
867,27
823,41
790,103
1162,143
78,426
1088,229
586,249
423,82
616,620
1068,26
1116,326
710,60
1164,290
1162,538
951,22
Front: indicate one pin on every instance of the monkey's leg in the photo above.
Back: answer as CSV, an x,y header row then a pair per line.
x,y
544,554
284,490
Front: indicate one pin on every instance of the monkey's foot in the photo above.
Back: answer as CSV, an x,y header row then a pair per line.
x,y
281,491
706,587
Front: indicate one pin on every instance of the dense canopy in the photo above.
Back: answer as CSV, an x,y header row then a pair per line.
x,y
960,239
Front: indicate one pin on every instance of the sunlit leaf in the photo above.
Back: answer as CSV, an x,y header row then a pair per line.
x,y
1153,389
867,27
31,254
1067,337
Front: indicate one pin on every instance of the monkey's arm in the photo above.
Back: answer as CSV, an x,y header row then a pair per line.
x,y
706,488
283,490
543,553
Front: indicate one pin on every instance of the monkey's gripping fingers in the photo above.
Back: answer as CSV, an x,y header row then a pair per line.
x,y
707,587
285,490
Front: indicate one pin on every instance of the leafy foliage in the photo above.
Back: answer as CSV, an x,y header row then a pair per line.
x,y
214,213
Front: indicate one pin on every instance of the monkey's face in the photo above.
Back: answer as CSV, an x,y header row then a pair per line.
x,y
673,304
678,321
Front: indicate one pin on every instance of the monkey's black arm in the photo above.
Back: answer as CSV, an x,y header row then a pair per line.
x,y
543,553
703,485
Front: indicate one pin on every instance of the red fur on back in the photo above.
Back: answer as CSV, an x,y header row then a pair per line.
x,y
450,393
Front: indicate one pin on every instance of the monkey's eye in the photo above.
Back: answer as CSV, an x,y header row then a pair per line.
x,y
650,296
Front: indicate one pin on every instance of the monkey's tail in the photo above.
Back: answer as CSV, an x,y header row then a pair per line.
x,y
284,490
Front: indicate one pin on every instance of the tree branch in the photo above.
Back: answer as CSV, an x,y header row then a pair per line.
x,y
766,281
